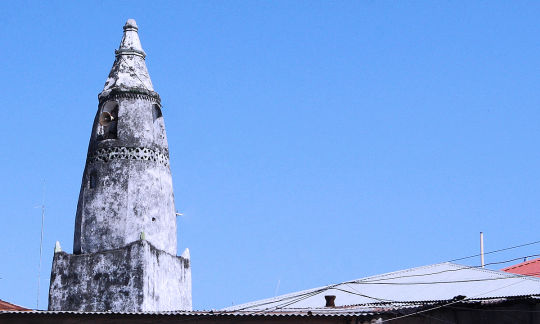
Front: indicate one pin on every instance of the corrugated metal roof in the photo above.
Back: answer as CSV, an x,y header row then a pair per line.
x,y
365,311
375,309
528,268
427,284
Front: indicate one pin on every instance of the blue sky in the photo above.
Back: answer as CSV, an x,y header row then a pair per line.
x,y
311,142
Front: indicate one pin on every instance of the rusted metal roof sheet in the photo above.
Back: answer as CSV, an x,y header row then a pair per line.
x,y
5,306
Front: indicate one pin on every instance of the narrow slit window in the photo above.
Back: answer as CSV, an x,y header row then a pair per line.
x,y
156,112
92,181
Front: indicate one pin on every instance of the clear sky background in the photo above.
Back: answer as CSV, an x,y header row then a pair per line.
x,y
311,142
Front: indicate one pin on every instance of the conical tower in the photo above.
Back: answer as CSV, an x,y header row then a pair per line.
x,y
124,250
127,187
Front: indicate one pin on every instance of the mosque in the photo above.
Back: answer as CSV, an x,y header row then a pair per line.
x,y
125,268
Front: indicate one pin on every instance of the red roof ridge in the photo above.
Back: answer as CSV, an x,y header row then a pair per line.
x,y
5,306
515,266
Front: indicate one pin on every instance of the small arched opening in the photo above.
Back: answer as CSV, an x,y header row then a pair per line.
x,y
156,112
108,121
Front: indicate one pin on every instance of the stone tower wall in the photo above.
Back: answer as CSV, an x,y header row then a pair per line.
x,y
127,185
136,278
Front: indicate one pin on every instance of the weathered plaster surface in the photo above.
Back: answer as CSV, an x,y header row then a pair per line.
x,y
137,277
132,187
125,226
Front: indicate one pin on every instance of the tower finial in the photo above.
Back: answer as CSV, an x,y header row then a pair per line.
x,y
131,24
130,44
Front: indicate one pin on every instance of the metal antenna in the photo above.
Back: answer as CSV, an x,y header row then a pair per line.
x,y
42,206
277,287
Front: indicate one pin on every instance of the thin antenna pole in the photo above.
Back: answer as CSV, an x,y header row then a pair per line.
x,y
277,287
41,240
482,248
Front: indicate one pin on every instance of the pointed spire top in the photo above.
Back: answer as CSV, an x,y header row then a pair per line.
x,y
129,73
130,44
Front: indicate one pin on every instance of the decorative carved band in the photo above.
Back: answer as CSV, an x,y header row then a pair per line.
x,y
129,153
125,51
154,97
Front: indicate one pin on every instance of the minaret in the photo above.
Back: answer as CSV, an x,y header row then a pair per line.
x,y
124,250
127,187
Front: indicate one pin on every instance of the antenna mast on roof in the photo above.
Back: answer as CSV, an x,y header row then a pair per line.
x,y
482,248
42,206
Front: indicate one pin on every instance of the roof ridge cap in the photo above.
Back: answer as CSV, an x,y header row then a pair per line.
x,y
401,271
497,272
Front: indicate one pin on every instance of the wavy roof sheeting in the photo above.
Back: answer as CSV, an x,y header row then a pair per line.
x,y
427,284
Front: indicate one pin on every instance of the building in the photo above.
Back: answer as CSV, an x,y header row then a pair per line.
x,y
438,293
124,268
526,268
437,288
124,252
